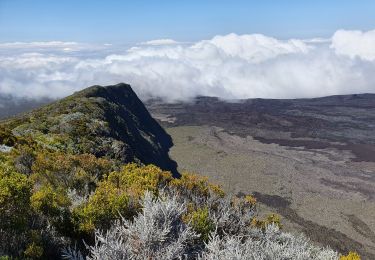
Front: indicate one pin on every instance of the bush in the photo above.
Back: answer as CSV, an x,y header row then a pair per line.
x,y
80,172
104,206
119,194
231,215
251,200
15,211
159,232
50,202
15,192
24,159
267,244
33,251
274,219
351,256
192,185
6,137
201,223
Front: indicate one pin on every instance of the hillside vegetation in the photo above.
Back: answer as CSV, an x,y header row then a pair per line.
x,y
89,177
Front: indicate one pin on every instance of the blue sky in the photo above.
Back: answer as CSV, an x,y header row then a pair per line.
x,y
130,22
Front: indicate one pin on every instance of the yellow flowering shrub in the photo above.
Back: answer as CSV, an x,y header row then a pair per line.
x,y
68,170
119,194
15,192
270,219
251,200
351,256
196,184
136,179
50,201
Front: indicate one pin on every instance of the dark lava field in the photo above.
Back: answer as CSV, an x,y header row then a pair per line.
x,y
344,122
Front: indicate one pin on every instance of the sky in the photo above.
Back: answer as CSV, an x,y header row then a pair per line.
x,y
179,49
130,22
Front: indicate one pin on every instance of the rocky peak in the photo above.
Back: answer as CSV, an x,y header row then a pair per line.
x,y
109,121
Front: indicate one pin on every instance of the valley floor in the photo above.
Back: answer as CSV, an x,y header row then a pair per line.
x,y
320,192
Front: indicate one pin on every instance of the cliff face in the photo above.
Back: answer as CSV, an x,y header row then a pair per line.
x,y
106,121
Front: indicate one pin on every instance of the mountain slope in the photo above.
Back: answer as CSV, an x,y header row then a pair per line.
x,y
64,169
106,121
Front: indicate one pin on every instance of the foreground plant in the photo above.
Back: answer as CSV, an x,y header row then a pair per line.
x,y
160,232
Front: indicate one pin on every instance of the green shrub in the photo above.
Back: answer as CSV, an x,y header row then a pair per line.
x,y
79,172
33,251
105,205
49,201
119,194
196,185
270,219
6,137
15,192
15,211
201,223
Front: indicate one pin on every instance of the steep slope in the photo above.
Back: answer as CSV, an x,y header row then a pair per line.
x,y
106,121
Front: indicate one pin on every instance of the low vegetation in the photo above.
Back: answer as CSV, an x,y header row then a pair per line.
x,y
160,231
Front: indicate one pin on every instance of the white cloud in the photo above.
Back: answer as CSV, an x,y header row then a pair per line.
x,y
355,44
53,47
53,44
254,47
317,40
229,66
160,42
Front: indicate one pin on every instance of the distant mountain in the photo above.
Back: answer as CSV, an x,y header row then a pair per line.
x,y
106,121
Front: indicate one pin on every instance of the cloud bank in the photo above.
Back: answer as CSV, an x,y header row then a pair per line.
x,y
160,42
228,66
